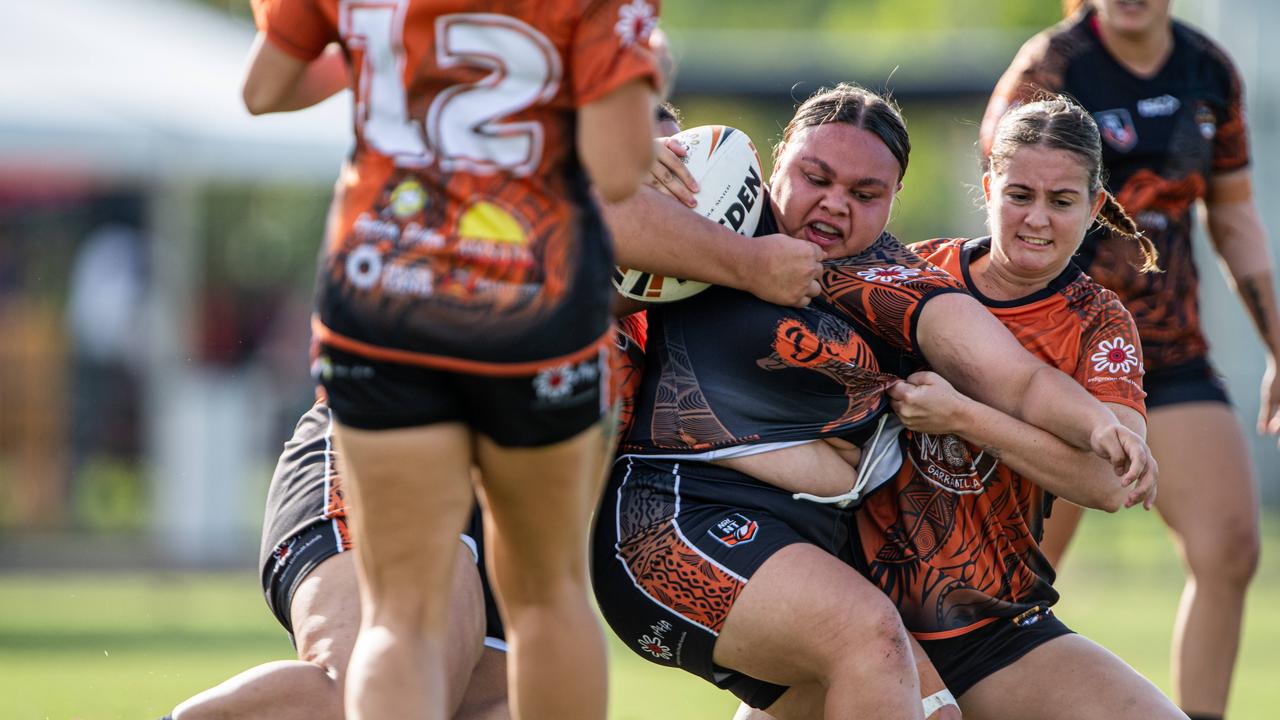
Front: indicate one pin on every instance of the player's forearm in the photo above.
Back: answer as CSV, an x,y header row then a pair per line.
x,y
657,234
1068,472
1055,403
1237,233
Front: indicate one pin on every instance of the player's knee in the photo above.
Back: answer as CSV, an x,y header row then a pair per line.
x,y
874,627
1230,556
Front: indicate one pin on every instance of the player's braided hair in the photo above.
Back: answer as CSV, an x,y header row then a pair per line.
x,y
1055,121
859,107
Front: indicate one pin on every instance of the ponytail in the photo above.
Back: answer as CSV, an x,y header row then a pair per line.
x,y
1113,217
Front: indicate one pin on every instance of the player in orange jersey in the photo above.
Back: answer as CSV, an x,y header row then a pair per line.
x,y
1170,105
953,540
462,313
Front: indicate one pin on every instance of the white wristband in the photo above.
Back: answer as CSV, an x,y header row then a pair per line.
x,y
937,701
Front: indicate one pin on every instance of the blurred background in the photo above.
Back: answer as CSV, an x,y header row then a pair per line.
x,y
157,250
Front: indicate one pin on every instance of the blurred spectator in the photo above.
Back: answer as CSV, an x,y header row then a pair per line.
x,y
107,298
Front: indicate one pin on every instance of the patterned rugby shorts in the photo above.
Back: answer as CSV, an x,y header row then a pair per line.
x,y
674,545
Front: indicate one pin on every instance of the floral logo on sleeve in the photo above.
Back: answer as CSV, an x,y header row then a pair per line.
x,y
1115,356
888,274
635,21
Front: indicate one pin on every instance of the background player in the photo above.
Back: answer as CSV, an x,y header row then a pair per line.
x,y
1169,105
462,315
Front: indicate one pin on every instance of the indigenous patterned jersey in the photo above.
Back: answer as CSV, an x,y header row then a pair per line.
x,y
628,369
462,234
1163,138
724,368
954,540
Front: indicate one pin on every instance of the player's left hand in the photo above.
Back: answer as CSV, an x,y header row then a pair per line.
x,y
926,402
1129,454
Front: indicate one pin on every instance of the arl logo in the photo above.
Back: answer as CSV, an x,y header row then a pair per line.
x,y
735,530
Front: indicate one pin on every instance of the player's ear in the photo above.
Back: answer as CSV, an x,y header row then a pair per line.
x,y
986,186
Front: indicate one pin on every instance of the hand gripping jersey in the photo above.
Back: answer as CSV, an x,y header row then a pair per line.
x,y
725,369
462,235
1162,139
953,539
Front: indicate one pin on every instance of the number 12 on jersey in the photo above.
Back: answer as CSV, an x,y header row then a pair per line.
x,y
463,130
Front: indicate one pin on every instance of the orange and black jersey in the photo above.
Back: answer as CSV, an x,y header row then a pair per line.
x,y
628,364
724,368
953,539
1163,139
462,234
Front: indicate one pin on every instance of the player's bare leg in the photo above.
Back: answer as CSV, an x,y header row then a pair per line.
x,y
807,619
1209,499
538,504
1067,678
410,494
486,695
326,612
806,701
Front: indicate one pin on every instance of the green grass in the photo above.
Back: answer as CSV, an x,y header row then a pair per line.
x,y
106,646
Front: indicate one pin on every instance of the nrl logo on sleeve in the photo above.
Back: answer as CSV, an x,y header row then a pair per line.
x,y
737,529
1117,129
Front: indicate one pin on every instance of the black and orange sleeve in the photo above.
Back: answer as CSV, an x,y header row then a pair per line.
x,y
1231,143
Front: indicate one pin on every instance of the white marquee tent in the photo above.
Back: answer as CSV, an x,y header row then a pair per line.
x,y
146,94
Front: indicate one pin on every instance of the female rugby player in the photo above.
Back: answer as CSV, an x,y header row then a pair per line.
x,y
1170,107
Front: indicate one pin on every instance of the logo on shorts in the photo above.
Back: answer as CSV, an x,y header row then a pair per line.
x,y
555,385
1032,616
655,643
735,530
1117,129
283,552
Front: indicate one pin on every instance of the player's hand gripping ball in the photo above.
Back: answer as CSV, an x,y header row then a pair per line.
x,y
726,165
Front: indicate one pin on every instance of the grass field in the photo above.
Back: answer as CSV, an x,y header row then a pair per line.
x,y
95,645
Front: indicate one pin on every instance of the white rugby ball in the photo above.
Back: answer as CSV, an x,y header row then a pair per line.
x,y
726,165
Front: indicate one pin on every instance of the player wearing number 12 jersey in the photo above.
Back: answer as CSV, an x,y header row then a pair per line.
x,y
462,313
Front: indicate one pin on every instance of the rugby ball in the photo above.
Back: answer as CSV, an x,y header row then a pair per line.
x,y
726,165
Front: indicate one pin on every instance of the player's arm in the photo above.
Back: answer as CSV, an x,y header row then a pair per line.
x,y
615,139
279,82
656,233
928,403
1240,240
970,348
